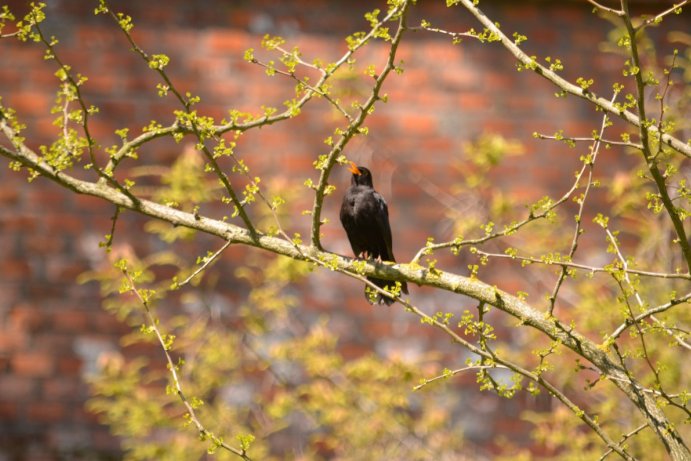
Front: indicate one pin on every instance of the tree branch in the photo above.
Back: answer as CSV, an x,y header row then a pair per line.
x,y
473,288
658,177
355,125
173,369
567,86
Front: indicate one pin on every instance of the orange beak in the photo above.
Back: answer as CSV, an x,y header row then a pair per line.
x,y
353,169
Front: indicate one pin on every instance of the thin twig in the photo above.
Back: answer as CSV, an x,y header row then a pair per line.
x,y
658,176
594,150
649,313
605,8
571,88
207,261
364,111
508,230
589,139
153,324
658,17
313,89
623,439
668,83
187,103
572,265
450,373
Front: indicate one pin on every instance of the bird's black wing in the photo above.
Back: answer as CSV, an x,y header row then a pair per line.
x,y
384,228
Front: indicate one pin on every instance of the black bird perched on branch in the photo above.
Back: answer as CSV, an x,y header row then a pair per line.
x,y
365,218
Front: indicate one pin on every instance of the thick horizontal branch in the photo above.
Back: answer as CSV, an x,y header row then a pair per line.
x,y
411,272
235,234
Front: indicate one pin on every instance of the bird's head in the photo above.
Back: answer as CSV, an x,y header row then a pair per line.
x,y
361,175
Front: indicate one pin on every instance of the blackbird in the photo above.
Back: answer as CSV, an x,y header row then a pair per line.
x,y
365,218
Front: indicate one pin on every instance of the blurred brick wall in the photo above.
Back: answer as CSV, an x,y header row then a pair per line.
x,y
52,330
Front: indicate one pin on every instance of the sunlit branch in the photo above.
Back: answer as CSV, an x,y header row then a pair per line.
x,y
668,83
508,230
594,150
207,261
589,140
623,439
187,103
456,36
658,176
584,267
354,127
450,373
658,17
625,265
172,368
649,313
539,379
311,88
571,88
607,9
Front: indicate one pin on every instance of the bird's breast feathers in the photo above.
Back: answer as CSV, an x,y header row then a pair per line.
x,y
368,204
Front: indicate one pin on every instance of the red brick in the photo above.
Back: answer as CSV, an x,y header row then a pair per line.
x,y
473,101
572,14
10,76
14,387
121,109
418,124
90,36
8,411
156,15
19,222
69,365
101,82
378,328
102,439
524,103
15,270
498,125
38,364
542,36
70,223
441,51
9,193
353,351
46,412
25,317
70,320
526,13
11,339
57,343
228,41
103,321
62,389
65,271
437,144
23,56
35,243
46,197
496,81
30,103
459,78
